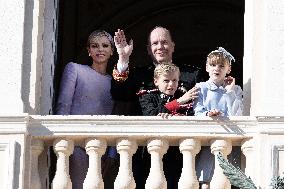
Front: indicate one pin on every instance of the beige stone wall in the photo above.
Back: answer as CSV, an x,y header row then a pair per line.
x,y
263,61
13,151
11,55
21,50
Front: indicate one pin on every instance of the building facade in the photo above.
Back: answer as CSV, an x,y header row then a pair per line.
x,y
29,53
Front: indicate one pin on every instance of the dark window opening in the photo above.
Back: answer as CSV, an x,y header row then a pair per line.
x,y
197,27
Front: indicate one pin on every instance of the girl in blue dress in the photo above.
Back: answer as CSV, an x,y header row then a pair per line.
x,y
219,96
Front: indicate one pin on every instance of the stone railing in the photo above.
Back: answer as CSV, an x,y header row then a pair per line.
x,y
126,133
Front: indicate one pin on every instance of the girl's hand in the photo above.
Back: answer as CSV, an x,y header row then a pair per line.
x,y
124,49
229,83
214,112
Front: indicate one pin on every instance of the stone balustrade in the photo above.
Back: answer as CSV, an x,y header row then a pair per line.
x,y
40,134
126,133
126,147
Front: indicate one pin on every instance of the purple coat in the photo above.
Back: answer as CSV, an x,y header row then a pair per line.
x,y
83,91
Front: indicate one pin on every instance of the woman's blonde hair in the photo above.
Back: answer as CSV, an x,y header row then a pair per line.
x,y
100,33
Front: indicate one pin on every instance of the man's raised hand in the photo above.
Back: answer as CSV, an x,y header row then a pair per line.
x,y
124,49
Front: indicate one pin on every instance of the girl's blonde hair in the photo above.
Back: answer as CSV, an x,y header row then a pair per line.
x,y
220,56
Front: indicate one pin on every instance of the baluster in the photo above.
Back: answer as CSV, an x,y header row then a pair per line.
x,y
63,148
248,151
95,148
156,179
189,148
219,180
36,150
125,180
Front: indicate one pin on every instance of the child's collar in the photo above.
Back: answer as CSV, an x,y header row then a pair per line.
x,y
213,86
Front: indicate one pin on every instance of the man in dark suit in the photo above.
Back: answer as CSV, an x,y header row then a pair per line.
x,y
128,82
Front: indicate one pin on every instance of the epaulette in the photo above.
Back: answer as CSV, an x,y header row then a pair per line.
x,y
143,91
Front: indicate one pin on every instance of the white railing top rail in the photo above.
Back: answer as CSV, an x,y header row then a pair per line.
x,y
139,127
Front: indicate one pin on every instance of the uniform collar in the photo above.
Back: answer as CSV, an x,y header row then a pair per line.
x,y
166,97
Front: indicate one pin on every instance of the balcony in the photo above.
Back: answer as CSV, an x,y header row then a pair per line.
x,y
26,140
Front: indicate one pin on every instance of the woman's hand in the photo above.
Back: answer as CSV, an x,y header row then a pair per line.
x,y
124,49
